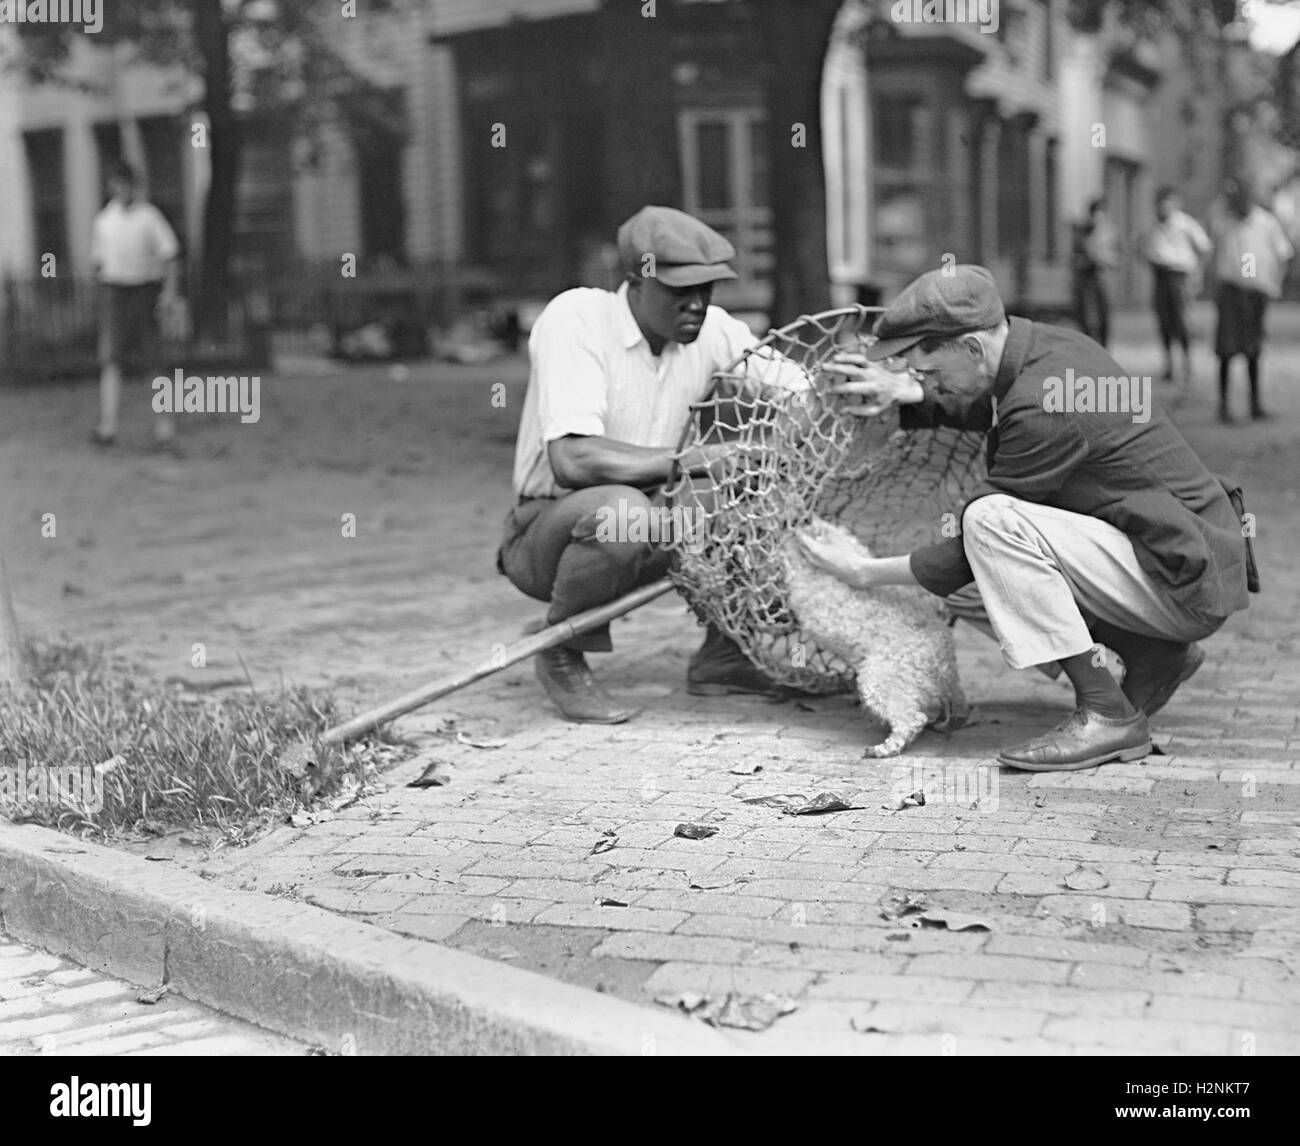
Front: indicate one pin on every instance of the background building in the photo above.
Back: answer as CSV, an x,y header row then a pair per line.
x,y
510,137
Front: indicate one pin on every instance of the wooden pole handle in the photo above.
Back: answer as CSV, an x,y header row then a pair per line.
x,y
548,638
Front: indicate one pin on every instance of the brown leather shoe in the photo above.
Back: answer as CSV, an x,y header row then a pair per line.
x,y
1152,677
1083,739
719,668
569,683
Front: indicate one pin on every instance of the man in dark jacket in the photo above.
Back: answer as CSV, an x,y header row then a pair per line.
x,y
1097,525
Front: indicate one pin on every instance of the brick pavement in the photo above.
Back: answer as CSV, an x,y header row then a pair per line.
x,y
1145,908
50,1006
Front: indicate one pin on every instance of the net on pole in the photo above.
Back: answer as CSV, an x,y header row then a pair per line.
x,y
797,454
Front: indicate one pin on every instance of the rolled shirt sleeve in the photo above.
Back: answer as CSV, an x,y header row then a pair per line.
x,y
571,384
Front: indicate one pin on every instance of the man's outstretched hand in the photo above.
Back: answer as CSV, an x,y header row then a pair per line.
x,y
836,557
875,387
843,561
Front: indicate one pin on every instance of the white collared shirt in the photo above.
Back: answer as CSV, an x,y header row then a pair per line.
x,y
592,374
1253,252
1178,244
132,245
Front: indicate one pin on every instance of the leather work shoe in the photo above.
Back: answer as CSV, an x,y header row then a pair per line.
x,y
569,683
1151,680
719,668
1083,739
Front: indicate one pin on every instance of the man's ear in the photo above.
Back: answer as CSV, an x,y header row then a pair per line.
x,y
973,346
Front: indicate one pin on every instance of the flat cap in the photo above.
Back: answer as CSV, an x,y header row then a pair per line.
x,y
940,304
686,252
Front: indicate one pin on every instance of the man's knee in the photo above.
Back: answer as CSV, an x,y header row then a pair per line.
x,y
994,515
611,514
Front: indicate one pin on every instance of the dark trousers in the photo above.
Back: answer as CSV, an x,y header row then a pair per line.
x,y
1171,307
569,552
128,326
1092,305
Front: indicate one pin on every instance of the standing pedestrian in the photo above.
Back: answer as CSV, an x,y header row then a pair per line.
x,y
1251,256
1175,248
1096,250
136,259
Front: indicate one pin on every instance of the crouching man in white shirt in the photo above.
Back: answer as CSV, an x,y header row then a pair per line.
x,y
614,374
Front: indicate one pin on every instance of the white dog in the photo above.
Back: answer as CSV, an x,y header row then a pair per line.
x,y
895,638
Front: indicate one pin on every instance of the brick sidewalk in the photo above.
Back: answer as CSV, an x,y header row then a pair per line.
x,y
53,1007
1185,866
1144,908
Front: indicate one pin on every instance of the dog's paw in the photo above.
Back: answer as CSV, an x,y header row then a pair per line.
x,y
886,748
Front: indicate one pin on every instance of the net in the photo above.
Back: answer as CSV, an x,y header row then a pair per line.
x,y
796,453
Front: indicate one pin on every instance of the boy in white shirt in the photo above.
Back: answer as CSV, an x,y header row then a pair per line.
x,y
1175,249
1251,256
135,256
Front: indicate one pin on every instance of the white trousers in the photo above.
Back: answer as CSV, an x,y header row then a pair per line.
x,y
1039,569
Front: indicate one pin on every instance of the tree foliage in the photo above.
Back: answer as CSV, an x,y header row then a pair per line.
x,y
265,61
1212,39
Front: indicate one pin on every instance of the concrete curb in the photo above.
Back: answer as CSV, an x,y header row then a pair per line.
x,y
303,971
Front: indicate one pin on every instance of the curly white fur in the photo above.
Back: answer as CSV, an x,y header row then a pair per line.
x,y
895,639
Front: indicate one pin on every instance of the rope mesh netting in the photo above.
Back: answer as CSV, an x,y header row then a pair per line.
x,y
797,453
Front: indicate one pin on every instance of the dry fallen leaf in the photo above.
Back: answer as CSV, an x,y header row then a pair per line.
x,y
433,776
711,883
740,1012
687,1001
896,906
747,1013
149,998
695,831
1085,879
465,738
782,800
913,800
865,1025
746,769
951,921
821,803
603,845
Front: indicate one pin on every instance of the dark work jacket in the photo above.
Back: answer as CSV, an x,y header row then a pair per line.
x,y
1141,477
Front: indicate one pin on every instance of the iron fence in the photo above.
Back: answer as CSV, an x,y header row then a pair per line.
x,y
49,329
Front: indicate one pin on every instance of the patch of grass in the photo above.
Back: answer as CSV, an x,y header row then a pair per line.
x,y
139,757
